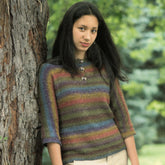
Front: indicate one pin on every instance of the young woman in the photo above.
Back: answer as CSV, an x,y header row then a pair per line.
x,y
85,119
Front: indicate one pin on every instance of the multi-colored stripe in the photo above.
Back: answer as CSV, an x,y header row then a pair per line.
x,y
81,115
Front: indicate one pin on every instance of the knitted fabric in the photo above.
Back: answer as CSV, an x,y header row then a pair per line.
x,y
81,115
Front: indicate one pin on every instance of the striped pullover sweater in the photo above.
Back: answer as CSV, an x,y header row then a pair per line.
x,y
80,114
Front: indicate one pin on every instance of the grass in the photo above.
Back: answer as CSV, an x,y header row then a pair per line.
x,y
153,154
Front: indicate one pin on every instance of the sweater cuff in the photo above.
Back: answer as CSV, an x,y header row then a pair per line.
x,y
45,141
127,134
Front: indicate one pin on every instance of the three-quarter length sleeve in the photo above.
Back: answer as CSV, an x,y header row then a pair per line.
x,y
120,110
48,106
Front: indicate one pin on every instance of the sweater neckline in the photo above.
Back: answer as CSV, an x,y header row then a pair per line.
x,y
83,62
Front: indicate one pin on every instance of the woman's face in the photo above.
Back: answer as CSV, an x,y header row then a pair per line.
x,y
84,34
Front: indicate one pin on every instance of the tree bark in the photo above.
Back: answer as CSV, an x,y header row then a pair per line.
x,y
22,50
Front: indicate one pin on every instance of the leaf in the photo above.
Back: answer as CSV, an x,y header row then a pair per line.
x,y
157,106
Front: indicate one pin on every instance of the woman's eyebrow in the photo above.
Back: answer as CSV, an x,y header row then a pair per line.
x,y
87,26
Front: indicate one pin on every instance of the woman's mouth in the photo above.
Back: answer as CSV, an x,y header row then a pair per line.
x,y
85,44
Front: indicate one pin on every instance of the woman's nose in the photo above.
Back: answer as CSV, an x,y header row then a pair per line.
x,y
87,35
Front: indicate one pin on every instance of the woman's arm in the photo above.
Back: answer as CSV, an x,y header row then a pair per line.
x,y
131,150
55,153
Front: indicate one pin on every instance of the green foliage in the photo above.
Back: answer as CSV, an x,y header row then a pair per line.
x,y
46,158
133,89
143,84
162,75
157,106
152,154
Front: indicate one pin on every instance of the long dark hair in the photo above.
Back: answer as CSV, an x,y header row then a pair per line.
x,y
103,53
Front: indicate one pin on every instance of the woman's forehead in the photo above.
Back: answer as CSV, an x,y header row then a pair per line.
x,y
87,20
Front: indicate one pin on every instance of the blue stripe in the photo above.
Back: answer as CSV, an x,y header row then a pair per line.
x,y
87,127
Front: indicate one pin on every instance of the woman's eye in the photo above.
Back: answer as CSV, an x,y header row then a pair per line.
x,y
81,28
94,31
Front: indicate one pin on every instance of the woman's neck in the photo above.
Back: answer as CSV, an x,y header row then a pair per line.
x,y
80,55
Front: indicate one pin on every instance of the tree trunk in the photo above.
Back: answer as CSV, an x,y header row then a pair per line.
x,y
22,49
